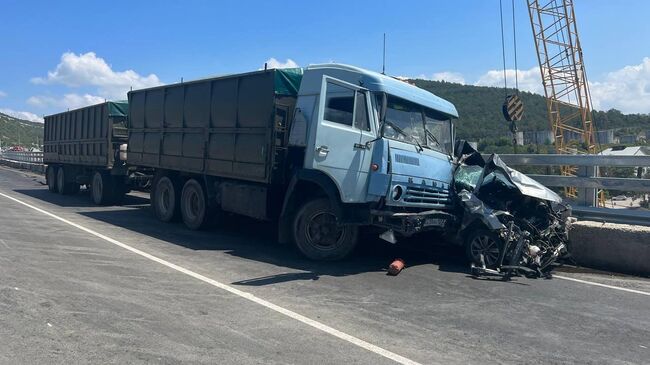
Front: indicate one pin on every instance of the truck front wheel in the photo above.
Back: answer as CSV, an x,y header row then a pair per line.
x,y
318,234
165,199
194,206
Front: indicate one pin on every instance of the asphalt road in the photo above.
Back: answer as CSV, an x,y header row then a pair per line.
x,y
70,294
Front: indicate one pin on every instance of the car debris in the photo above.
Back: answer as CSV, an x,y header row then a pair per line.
x,y
396,267
510,224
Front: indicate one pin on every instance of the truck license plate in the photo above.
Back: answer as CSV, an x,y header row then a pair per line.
x,y
434,222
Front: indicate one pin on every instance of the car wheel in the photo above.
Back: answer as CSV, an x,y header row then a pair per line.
x,y
482,242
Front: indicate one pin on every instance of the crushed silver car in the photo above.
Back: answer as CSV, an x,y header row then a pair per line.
x,y
510,224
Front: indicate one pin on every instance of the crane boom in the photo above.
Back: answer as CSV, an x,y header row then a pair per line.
x,y
563,76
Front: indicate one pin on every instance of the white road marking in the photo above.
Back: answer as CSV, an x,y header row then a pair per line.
x,y
601,285
4,243
289,313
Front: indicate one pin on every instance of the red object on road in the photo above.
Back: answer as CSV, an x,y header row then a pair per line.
x,y
395,267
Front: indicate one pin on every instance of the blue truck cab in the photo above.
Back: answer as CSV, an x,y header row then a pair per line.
x,y
381,151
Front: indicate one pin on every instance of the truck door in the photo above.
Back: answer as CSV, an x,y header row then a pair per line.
x,y
343,127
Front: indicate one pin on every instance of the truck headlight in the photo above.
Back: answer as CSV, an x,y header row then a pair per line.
x,y
397,192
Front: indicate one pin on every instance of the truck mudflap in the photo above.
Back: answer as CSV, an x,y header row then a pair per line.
x,y
410,223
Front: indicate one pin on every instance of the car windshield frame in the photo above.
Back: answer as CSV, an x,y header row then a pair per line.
x,y
413,121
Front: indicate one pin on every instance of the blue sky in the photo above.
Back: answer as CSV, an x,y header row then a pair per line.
x,y
58,55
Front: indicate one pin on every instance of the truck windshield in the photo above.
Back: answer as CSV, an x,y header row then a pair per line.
x,y
412,123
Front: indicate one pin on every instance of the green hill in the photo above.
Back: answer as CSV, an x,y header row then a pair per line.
x,y
481,118
479,108
15,131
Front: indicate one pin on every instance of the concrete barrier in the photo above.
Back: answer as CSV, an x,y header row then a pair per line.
x,y
34,167
616,247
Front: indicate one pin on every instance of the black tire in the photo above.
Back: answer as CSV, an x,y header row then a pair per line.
x,y
165,198
485,242
50,178
101,189
194,205
318,235
62,186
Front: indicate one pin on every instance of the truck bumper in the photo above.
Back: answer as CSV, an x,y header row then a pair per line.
x,y
409,224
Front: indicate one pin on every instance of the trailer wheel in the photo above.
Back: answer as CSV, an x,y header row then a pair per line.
x,y
63,187
318,234
194,206
50,177
165,199
100,188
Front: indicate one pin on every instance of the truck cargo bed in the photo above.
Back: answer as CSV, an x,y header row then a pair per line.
x,y
231,126
85,136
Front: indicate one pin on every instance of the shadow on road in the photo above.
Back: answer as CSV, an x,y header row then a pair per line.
x,y
254,240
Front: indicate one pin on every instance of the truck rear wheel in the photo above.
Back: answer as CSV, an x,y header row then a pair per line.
x,y
50,177
318,234
165,199
62,186
101,188
194,206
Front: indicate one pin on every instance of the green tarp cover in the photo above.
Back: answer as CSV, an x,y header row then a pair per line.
x,y
287,81
118,108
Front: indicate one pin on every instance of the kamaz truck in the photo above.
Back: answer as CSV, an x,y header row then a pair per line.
x,y
321,150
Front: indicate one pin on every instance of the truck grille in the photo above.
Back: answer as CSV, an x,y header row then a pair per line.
x,y
426,195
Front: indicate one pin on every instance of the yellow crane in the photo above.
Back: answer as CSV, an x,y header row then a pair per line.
x,y
564,78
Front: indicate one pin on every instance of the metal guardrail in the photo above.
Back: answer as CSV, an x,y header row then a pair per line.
x,y
588,182
30,157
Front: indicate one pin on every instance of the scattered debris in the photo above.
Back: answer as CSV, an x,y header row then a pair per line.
x,y
511,224
396,267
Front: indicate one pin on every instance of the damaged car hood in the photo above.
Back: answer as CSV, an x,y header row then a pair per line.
x,y
473,172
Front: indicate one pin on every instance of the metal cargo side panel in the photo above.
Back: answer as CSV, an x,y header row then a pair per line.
x,y
240,135
220,127
79,137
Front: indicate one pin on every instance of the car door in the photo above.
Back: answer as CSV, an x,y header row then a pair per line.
x,y
343,126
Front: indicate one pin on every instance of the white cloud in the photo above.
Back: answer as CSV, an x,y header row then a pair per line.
x,y
68,101
22,115
2,94
89,70
627,89
529,80
273,63
454,77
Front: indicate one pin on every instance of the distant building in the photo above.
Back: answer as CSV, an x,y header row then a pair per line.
x,y
629,151
519,138
538,137
605,137
571,136
628,139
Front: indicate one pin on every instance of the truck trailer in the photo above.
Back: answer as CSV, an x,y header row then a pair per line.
x,y
320,150
82,147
